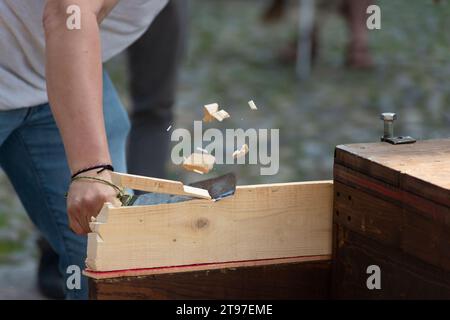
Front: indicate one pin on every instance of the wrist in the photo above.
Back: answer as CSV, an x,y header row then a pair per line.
x,y
94,170
82,158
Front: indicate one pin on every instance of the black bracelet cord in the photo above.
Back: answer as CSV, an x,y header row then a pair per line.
x,y
102,168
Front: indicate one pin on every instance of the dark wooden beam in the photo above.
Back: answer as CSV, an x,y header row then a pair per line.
x,y
392,210
298,280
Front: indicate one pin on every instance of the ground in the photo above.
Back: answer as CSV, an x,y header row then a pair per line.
x,y
232,57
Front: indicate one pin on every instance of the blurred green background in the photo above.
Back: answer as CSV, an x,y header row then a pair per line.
x,y
233,57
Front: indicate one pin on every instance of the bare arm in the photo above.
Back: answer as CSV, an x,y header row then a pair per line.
x,y
74,80
74,85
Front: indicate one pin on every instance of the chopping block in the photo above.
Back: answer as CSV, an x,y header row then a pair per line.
x,y
392,217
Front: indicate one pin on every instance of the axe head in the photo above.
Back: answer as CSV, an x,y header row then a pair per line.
x,y
218,188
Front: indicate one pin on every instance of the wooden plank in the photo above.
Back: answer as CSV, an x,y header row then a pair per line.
x,y
412,231
156,185
402,276
367,214
393,194
294,280
422,168
258,222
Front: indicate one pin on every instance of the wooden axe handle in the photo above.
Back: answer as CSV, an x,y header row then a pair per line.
x,y
157,185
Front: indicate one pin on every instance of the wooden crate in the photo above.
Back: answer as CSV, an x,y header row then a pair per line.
x,y
392,209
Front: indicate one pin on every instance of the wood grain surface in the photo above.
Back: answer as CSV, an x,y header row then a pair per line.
x,y
258,222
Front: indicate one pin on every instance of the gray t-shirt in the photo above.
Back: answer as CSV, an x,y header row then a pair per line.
x,y
22,44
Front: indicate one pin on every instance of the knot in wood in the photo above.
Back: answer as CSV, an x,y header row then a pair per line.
x,y
201,223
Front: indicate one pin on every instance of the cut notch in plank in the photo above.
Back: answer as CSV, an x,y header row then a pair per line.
x,y
157,185
259,222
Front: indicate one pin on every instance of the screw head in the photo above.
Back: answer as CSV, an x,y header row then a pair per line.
x,y
388,116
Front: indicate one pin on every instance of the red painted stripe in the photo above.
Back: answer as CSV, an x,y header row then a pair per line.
x,y
195,265
430,208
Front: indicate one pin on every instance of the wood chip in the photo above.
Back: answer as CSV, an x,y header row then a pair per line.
x,y
241,152
199,162
252,105
221,115
212,112
209,109
202,150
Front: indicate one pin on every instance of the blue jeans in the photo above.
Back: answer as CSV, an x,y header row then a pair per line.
x,y
32,155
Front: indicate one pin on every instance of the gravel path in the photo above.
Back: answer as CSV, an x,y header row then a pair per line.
x,y
19,281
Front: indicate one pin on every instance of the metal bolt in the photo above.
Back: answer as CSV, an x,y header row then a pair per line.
x,y
388,119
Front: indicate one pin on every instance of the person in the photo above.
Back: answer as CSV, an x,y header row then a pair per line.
x,y
60,115
353,11
153,62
